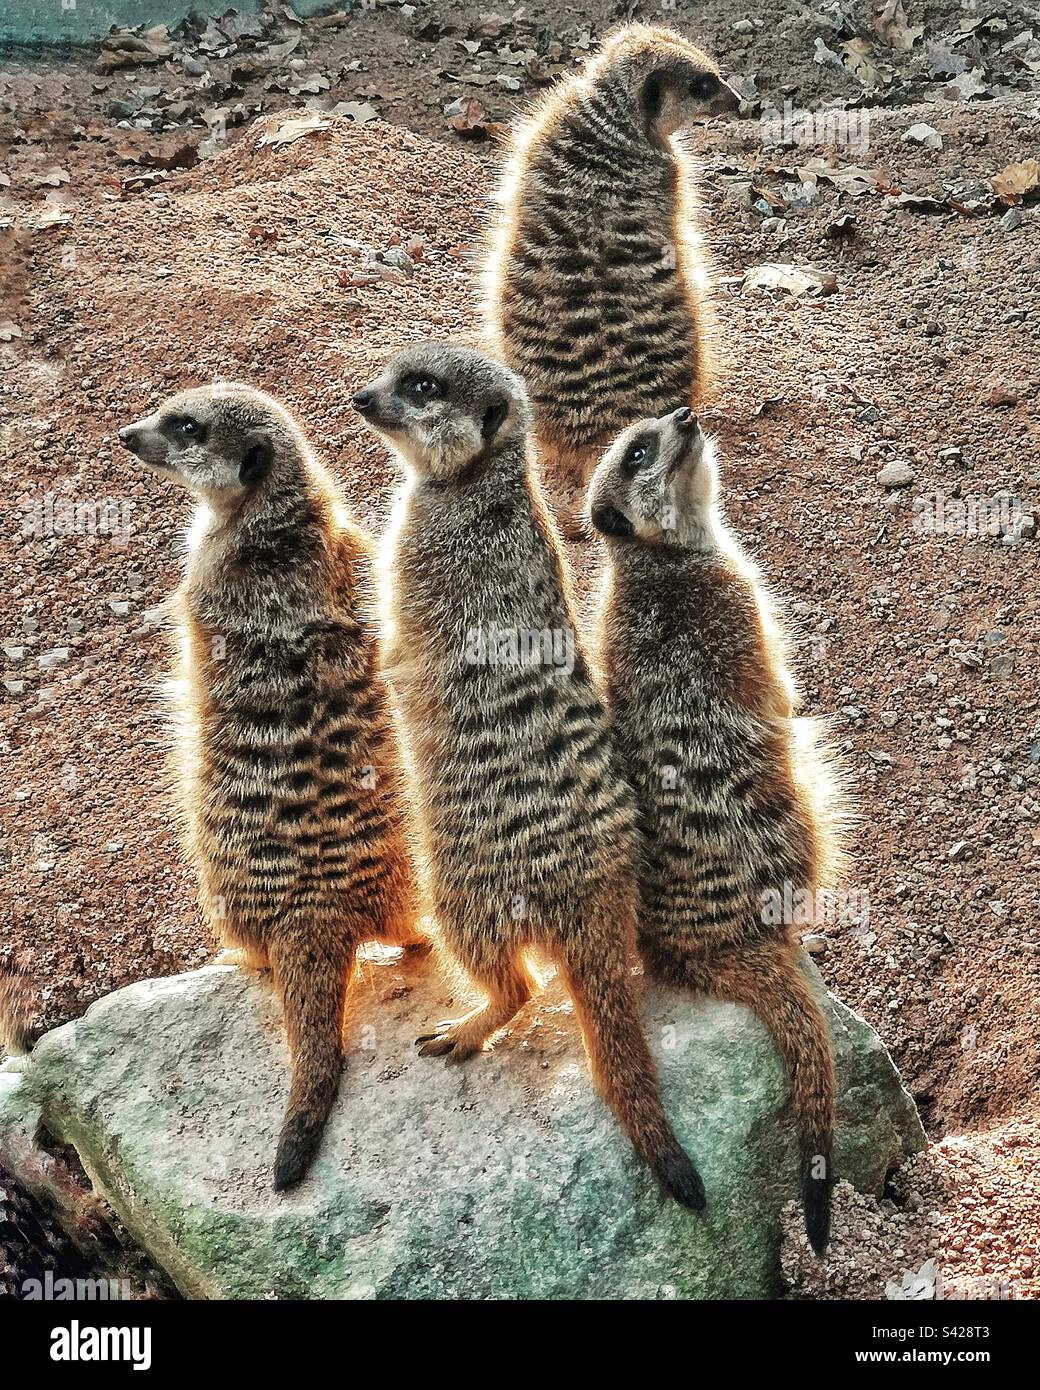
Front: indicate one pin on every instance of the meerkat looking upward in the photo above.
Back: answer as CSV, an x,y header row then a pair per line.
x,y
528,830
288,764
596,281
702,705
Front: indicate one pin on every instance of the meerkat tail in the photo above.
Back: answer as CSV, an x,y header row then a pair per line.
x,y
773,986
623,1068
313,989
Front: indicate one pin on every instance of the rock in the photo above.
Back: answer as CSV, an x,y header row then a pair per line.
x,y
922,134
898,473
504,1178
1000,393
962,849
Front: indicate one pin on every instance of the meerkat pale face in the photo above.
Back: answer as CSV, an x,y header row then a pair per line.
x,y
679,92
674,83
217,441
656,483
442,408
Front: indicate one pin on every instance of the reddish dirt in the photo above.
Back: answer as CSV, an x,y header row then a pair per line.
x,y
922,647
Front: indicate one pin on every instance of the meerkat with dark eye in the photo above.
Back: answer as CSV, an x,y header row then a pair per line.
x,y
596,278
703,708
527,830
287,757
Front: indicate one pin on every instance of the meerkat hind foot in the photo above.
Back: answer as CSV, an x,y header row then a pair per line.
x,y
461,1038
239,957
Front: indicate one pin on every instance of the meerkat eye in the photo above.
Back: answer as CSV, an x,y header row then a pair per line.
x,y
639,453
704,85
187,428
421,388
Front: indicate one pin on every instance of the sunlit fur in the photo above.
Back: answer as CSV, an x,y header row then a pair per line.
x,y
17,1000
287,762
528,830
703,705
596,276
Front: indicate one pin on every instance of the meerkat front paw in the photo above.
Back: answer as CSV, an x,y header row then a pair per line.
x,y
239,957
456,1039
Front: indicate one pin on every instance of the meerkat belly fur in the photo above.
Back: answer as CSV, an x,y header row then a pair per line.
x,y
287,761
703,708
528,830
596,275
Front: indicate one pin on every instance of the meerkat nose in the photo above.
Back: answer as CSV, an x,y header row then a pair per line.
x,y
684,418
128,436
362,401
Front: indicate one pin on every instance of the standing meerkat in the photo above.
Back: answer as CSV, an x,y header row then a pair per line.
x,y
703,709
288,767
596,278
528,830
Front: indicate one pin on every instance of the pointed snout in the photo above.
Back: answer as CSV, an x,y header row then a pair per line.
x,y
130,438
726,101
684,420
363,401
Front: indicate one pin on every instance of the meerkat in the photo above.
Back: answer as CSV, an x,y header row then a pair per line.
x,y
596,278
287,759
16,1011
527,830
703,706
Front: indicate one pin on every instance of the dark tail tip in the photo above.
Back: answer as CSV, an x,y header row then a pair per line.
x,y
680,1177
816,1204
297,1145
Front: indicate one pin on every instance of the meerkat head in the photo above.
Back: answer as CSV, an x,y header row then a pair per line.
x,y
673,83
220,442
443,407
656,484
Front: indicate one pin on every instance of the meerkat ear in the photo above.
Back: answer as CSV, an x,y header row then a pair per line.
x,y
256,463
610,521
653,95
493,418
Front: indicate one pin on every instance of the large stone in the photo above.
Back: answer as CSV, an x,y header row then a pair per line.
x,y
503,1178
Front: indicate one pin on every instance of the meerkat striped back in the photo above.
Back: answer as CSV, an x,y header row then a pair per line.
x,y
596,277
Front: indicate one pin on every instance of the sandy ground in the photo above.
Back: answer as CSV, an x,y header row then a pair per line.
x,y
263,264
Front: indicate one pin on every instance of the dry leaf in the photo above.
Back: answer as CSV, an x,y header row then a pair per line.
x,y
858,58
294,129
125,49
892,28
965,86
468,116
51,178
359,111
1014,182
803,282
51,216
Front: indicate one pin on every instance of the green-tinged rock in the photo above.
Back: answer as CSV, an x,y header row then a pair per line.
x,y
503,1178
